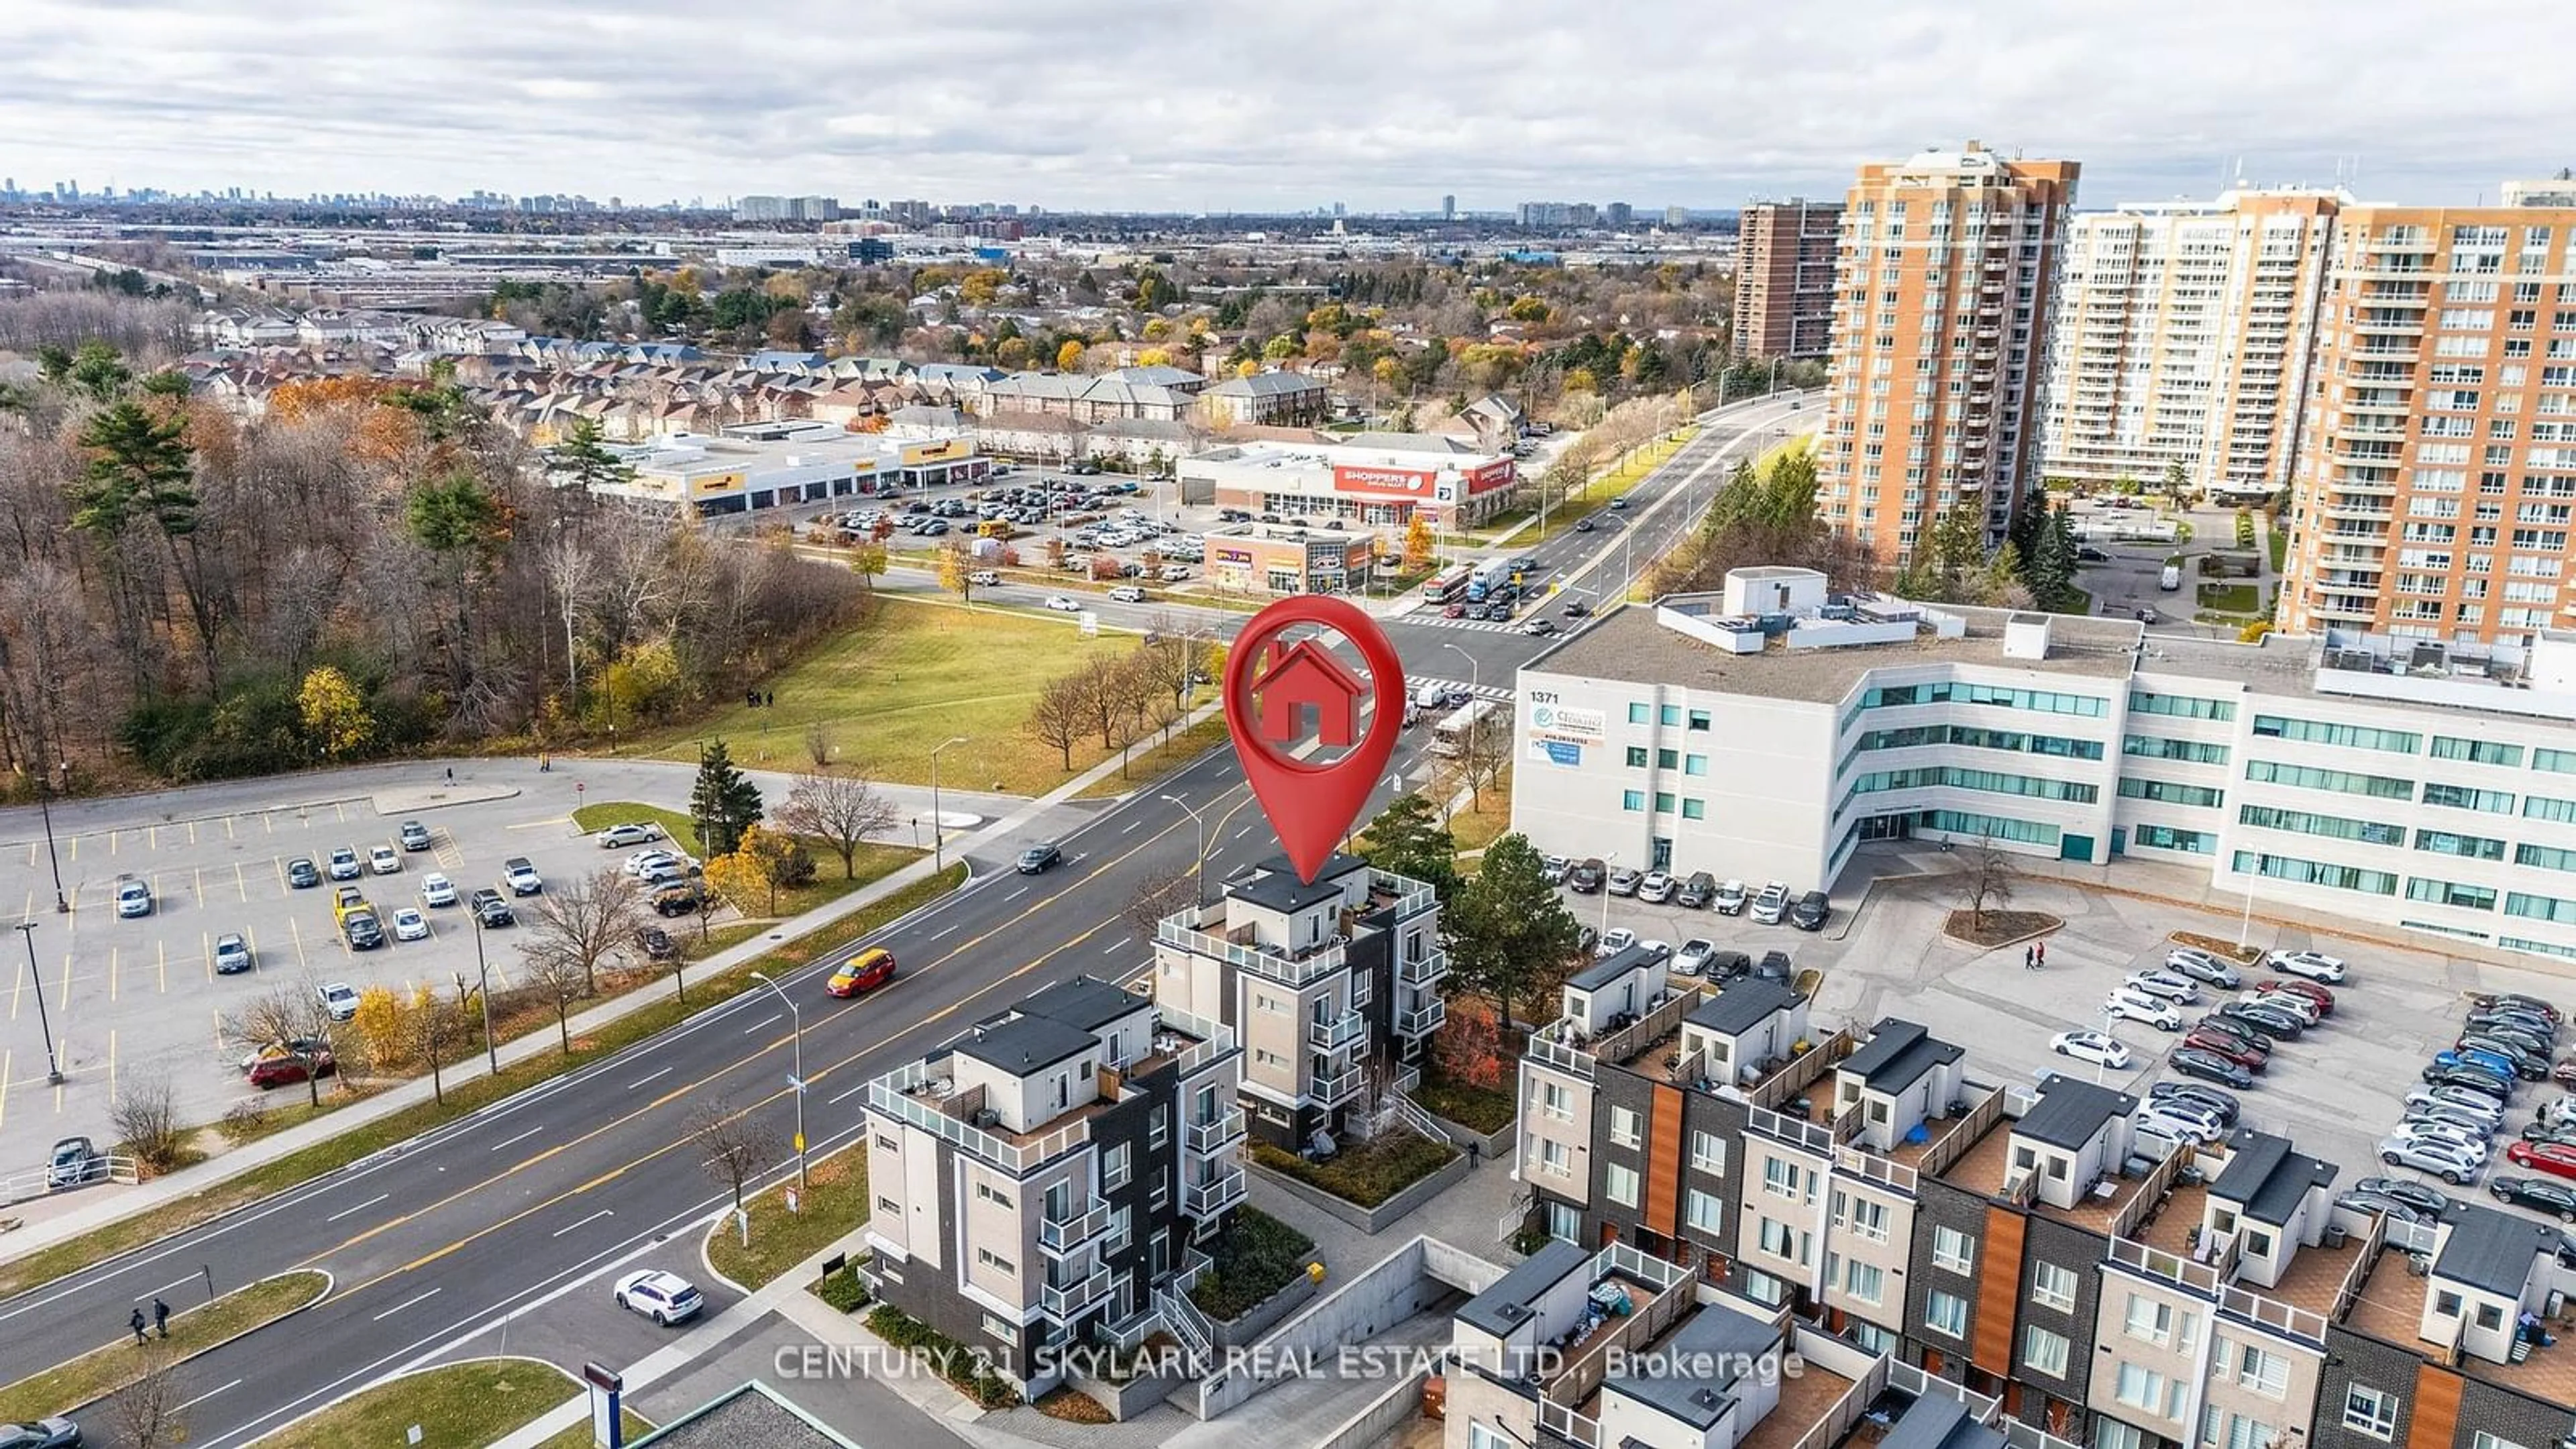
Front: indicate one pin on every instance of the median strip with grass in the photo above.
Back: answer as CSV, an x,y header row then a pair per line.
x,y
833,1205
110,1367
1148,766
464,1096
457,1406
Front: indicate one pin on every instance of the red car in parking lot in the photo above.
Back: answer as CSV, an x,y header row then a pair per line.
x,y
2296,986
2555,1158
2228,1045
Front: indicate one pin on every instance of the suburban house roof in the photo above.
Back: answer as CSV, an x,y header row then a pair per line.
x,y
1897,1056
1085,1003
1743,1006
1266,384
2071,1113
2268,1178
2492,1251
1025,1044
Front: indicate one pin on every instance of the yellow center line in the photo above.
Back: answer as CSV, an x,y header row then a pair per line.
x,y
703,1082
71,847
63,998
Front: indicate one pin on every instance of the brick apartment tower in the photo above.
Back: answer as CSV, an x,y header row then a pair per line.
x,y
1941,307
1784,279
2182,335
2437,470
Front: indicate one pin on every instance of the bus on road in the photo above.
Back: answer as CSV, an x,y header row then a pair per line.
x,y
1446,585
1451,737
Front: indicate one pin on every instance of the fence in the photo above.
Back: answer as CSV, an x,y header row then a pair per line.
x,y
1838,1421
37,1182
1802,1071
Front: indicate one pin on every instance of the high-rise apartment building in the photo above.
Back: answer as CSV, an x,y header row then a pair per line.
x,y
1784,279
2436,478
1941,303
2181,337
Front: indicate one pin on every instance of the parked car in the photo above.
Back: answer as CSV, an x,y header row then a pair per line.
x,y
2431,1202
1692,959
656,944
2091,1046
2269,1020
682,899
1772,904
1698,890
2442,1129
2323,999
339,999
1551,868
1625,879
1811,911
2209,1067
2172,1119
1585,877
302,875
2554,1198
2555,1158
2165,984
344,863
521,876
1656,887
2220,1044
2537,1131
1731,898
2516,998
666,1298
1655,950
2224,1103
1614,941
362,930
2298,1006
2478,1079
2127,1005
2464,1099
437,890
2314,965
1043,856
282,1068
866,971
2454,1165
2521,1038
75,1160
232,954
2564,1074
2528,1065
410,924
617,837
2494,1063
2200,965
133,897
491,910
412,835
2371,1202
1725,966
1774,966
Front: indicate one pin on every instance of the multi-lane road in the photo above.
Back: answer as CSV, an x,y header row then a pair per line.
x,y
514,1220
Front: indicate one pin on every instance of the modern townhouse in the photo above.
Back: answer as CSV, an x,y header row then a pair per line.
x,y
1055,1169
2028,1244
1776,729
1331,986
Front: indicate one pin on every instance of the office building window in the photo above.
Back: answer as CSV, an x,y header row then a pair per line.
x,y
2052,1287
2167,837
1621,1185
2043,1351
1636,757
2461,797
2470,847
2540,908
1632,800
2450,893
2314,872
1664,802
1946,1313
2482,752
1694,764
1694,809
1640,714
1669,716
2308,777
2358,737
2180,706
1953,1250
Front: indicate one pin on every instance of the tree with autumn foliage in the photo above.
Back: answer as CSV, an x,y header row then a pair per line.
x,y
334,713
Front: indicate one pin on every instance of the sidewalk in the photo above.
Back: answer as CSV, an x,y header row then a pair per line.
x,y
96,1208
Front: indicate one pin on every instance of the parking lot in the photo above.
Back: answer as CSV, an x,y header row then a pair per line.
x,y
2335,1091
141,995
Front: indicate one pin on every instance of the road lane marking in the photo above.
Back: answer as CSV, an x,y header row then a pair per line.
x,y
361,1207
166,1287
770,1020
301,959
1015,895
411,1302
655,1077
1247,830
192,832
1132,824
852,1092
585,1222
1113,948
522,1137
208,1394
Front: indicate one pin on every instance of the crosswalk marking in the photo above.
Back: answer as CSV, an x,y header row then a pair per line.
x,y
1481,691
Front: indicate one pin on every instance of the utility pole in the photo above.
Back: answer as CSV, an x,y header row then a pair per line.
x,y
53,1064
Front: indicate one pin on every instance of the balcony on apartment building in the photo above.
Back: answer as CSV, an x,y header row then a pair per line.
x,y
1337,1035
1211,1195
2476,1256
927,1094
1219,1131
1076,1293
1422,1019
1065,1238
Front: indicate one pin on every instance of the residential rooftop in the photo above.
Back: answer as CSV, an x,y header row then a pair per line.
x,y
2390,1308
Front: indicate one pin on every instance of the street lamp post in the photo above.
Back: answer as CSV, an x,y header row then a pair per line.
x,y
53,1064
938,833
1201,822
45,808
1475,668
796,1019
483,968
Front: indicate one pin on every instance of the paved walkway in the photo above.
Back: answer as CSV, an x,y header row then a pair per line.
x,y
46,1221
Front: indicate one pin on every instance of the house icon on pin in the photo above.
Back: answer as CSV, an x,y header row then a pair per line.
x,y
1300,677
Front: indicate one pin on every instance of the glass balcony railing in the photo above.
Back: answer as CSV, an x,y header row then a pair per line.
x,y
1208,1199
1337,1034
1061,1236
1218,1134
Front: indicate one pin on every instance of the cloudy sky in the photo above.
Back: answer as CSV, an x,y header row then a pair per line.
x,y
1208,105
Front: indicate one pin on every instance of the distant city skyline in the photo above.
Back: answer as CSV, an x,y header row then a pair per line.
x,y
1174,107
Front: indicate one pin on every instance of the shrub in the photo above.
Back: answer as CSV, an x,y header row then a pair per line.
x,y
842,1292
1368,1173
1258,1258
964,1368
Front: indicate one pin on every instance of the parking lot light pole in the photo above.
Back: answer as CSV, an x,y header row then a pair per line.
x,y
938,833
53,1064
796,1030
483,968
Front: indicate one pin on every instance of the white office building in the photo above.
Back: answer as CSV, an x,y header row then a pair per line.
x,y
1773,730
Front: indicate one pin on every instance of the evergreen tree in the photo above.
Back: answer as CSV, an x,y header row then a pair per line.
x,y
1510,935
2051,570
1410,839
582,459
724,802
2029,521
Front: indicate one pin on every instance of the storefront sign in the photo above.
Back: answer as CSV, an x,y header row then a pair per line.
x,y
720,483
1230,558
1411,482
1557,752
1556,721
939,452
1497,474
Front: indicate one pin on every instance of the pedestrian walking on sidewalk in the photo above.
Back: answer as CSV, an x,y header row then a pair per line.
x,y
2043,955
2029,959
136,1323
161,1317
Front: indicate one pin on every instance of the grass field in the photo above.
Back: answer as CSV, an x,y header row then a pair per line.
x,y
894,685
465,1094
835,1205
2229,598
1473,828
871,862
111,1366
1150,765
457,1406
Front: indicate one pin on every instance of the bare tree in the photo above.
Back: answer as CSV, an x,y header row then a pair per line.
x,y
560,979
1987,883
1159,896
149,1413
733,1147
571,578
288,1019
145,1118
842,811
584,920
1483,754
818,745
436,1026
1061,714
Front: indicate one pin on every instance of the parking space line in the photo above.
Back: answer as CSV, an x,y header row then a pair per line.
x,y
192,832
161,961
71,847
228,828
63,1049
340,812
111,843
300,960
219,1033
63,998
111,973
270,820
111,1064
205,945
241,882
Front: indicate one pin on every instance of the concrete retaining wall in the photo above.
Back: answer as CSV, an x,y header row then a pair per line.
x,y
1369,1220
1385,1414
1266,1315
1125,1401
1404,1283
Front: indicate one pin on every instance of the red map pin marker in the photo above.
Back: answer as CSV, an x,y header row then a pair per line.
x,y
1273,688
